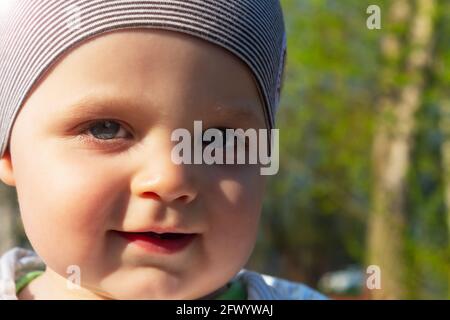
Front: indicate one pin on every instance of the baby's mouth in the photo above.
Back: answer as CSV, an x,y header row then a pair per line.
x,y
165,236
167,242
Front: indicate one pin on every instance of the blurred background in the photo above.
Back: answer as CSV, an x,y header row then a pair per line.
x,y
364,174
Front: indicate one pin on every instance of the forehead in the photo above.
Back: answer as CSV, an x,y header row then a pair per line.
x,y
154,67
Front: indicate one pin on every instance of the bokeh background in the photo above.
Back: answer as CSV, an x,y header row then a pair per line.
x,y
365,153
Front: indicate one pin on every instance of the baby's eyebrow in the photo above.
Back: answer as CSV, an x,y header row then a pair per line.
x,y
248,114
88,106
93,105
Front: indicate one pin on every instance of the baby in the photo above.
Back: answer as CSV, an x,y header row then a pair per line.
x,y
101,86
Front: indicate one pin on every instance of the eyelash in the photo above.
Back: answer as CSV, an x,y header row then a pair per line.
x,y
87,137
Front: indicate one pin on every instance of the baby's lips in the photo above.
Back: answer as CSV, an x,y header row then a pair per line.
x,y
164,243
161,230
165,235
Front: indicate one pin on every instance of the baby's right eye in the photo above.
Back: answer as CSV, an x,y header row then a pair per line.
x,y
102,133
107,130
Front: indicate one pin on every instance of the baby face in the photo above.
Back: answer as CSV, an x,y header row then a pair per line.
x,y
90,156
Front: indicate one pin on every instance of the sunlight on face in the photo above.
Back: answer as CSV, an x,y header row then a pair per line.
x,y
90,179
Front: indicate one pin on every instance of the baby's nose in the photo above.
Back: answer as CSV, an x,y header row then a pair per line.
x,y
162,179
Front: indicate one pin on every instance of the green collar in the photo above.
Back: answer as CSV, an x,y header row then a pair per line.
x,y
26,279
235,290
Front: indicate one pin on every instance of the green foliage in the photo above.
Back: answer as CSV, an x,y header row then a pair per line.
x,y
315,214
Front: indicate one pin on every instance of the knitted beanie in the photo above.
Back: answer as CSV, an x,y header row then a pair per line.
x,y
35,33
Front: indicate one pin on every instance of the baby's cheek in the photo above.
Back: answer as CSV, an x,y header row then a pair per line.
x,y
66,210
234,224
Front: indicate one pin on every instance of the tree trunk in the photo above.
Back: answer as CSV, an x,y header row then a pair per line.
x,y
392,144
444,125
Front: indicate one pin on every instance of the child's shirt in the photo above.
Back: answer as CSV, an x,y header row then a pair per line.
x,y
19,266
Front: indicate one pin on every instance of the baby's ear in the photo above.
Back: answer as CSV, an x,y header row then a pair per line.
x,y
6,169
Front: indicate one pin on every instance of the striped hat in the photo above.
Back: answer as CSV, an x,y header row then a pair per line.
x,y
35,33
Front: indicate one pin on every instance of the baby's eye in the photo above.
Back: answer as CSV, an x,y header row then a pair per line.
x,y
227,140
226,144
107,130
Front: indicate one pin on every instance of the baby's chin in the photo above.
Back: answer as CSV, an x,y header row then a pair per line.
x,y
158,286
128,292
